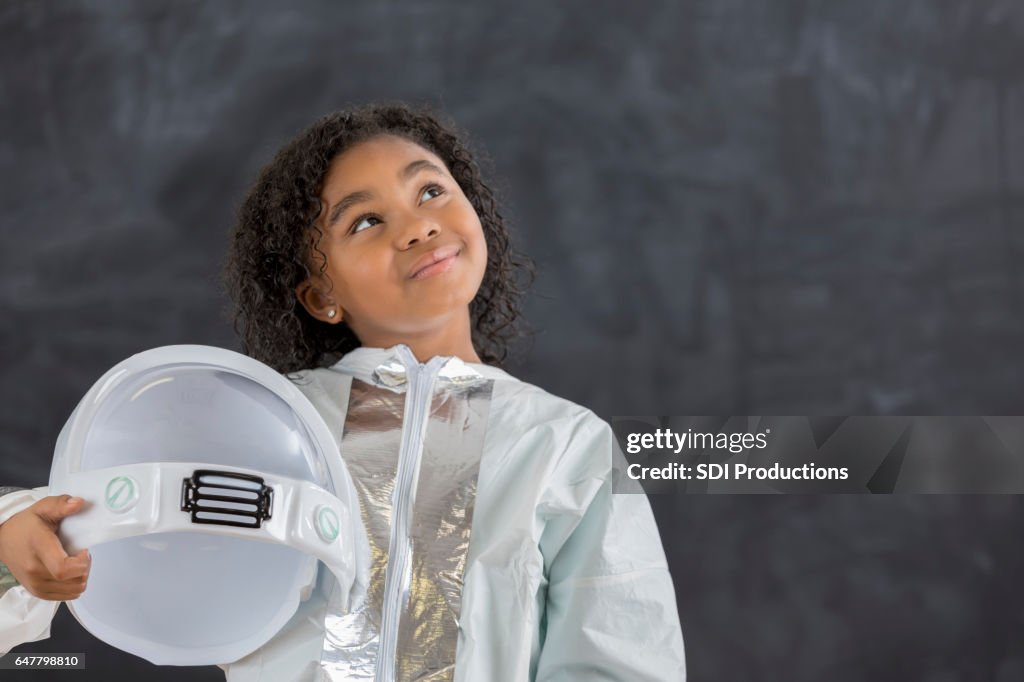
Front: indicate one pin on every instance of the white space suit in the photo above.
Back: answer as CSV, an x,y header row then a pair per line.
x,y
499,551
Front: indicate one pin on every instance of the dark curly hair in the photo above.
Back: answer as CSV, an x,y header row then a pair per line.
x,y
270,244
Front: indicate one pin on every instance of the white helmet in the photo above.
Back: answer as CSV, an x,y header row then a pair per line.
x,y
213,486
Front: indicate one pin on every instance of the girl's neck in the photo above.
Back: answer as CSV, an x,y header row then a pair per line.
x,y
427,348
454,338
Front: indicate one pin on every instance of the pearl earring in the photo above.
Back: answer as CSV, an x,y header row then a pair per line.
x,y
330,313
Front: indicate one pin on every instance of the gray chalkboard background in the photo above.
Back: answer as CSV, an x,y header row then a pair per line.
x,y
736,207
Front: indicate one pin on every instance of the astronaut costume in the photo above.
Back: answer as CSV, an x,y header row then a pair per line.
x,y
497,549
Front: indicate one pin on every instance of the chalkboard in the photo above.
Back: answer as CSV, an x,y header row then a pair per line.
x,y
735,207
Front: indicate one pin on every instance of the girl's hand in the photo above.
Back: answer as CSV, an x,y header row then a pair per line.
x,y
30,548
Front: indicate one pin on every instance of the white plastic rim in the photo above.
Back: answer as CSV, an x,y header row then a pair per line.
x,y
179,593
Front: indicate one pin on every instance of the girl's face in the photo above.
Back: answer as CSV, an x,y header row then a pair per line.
x,y
390,208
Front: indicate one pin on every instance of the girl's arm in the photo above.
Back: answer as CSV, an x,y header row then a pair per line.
x,y
611,608
23,617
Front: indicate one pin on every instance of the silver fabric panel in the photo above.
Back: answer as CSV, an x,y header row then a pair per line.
x,y
445,494
369,446
442,518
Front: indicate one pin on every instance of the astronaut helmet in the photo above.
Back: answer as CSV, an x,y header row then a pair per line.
x,y
213,489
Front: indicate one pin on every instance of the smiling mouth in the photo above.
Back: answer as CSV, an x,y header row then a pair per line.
x,y
437,267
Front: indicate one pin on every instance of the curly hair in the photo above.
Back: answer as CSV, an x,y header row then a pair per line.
x,y
276,228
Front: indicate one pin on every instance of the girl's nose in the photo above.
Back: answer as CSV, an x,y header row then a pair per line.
x,y
417,230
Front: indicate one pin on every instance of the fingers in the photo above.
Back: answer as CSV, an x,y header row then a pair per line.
x,y
54,508
68,590
61,566
36,557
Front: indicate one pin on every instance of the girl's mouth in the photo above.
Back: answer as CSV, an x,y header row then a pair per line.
x,y
443,260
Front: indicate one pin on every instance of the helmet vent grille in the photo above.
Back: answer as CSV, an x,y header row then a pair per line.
x,y
226,498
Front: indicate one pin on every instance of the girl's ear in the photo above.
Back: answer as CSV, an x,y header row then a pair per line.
x,y
318,304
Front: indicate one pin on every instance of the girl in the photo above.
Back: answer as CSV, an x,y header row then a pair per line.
x,y
370,265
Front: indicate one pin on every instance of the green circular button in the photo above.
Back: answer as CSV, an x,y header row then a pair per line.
x,y
327,524
121,494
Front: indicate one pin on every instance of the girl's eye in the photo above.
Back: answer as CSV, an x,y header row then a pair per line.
x,y
363,218
436,188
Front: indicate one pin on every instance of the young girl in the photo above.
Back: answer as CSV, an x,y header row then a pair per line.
x,y
370,265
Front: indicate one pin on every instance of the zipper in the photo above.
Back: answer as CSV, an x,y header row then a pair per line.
x,y
421,379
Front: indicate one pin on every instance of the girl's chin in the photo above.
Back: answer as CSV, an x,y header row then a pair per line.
x,y
447,289
420,310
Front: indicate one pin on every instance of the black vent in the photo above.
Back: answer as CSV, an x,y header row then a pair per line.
x,y
225,498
